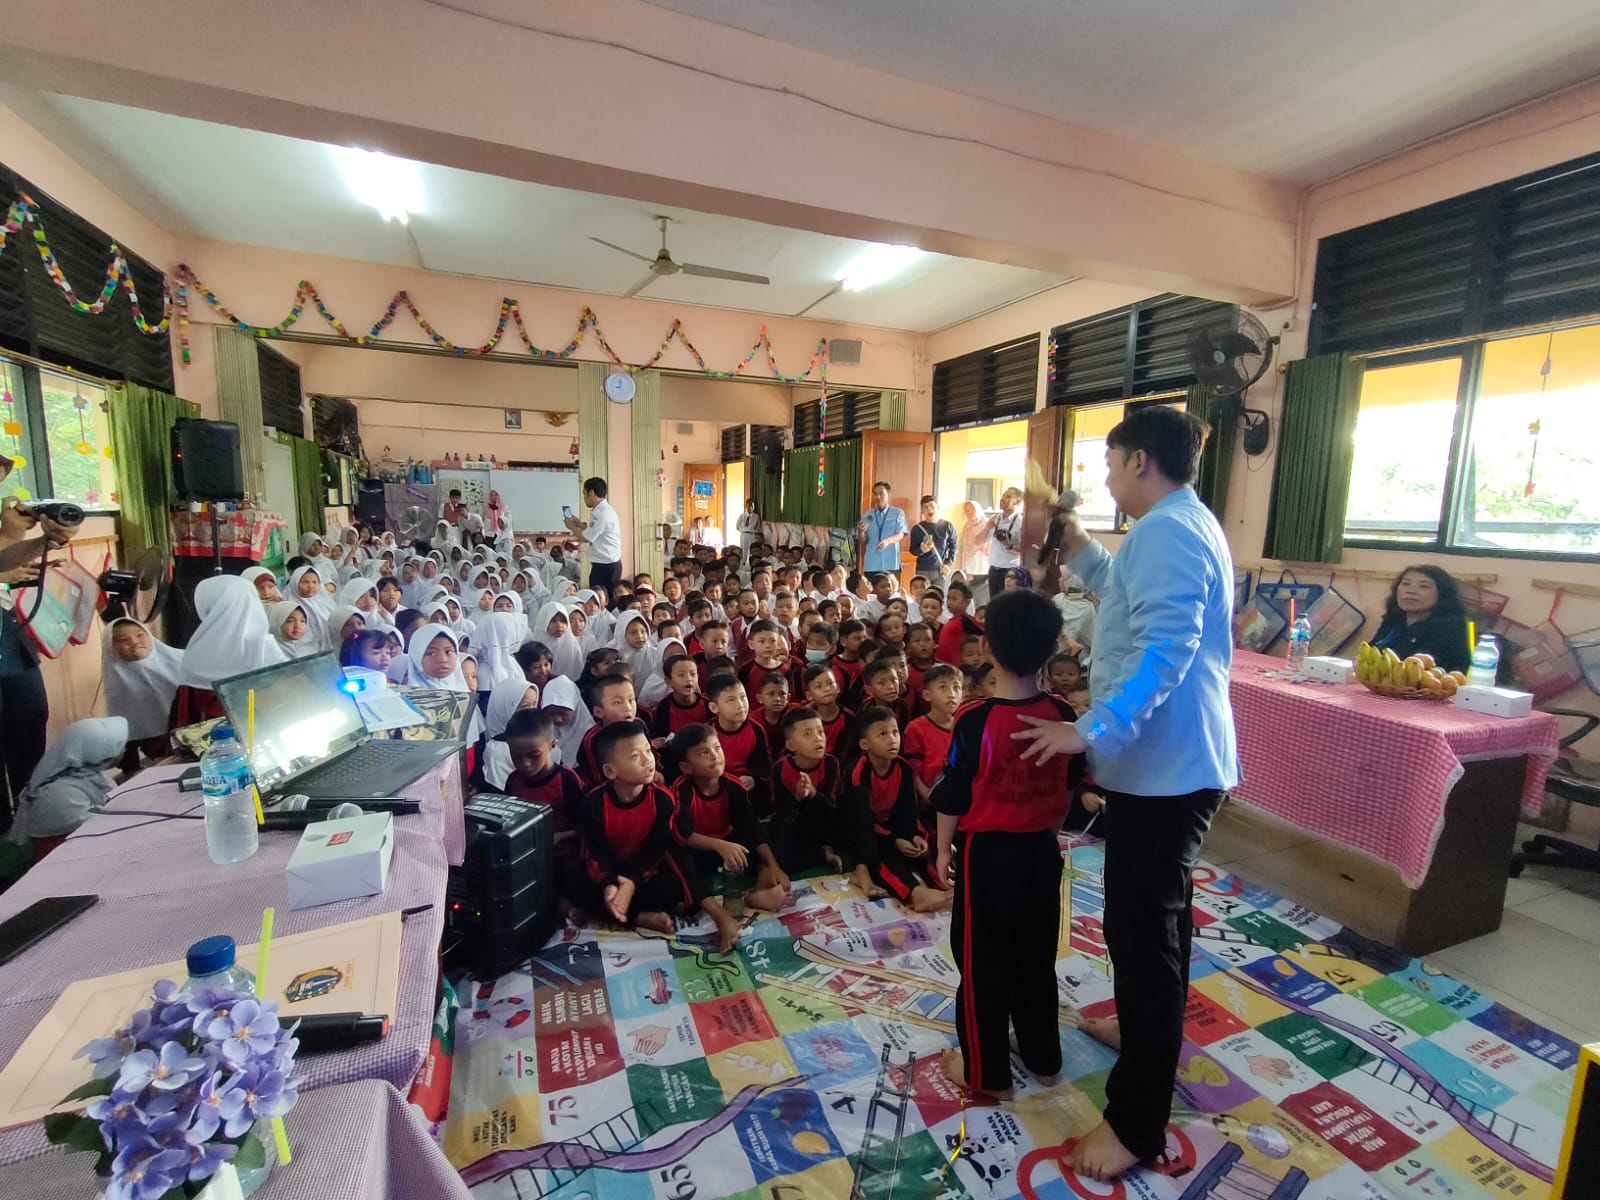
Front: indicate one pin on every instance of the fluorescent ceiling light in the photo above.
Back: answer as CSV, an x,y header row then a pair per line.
x,y
875,264
393,186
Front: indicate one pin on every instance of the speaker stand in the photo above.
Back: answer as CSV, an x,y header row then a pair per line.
x,y
216,540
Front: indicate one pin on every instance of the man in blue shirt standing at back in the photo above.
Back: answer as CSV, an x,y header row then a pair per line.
x,y
880,533
1159,736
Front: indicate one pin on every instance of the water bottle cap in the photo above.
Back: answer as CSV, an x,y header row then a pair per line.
x,y
222,733
210,955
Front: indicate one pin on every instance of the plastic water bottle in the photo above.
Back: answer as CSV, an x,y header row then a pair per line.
x,y
211,965
1485,661
1299,644
231,833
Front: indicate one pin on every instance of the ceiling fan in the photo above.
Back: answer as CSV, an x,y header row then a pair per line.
x,y
663,265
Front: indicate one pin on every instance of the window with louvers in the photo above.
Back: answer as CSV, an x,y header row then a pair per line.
x,y
807,424
735,443
281,403
993,384
1133,351
1520,253
336,425
848,414
36,319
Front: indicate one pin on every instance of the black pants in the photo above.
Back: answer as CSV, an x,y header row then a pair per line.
x,y
997,581
800,840
605,575
1152,843
675,884
1006,919
24,715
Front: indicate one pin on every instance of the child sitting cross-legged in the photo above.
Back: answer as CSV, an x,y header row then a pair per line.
x,y
715,818
882,782
530,737
633,844
744,742
812,822
822,697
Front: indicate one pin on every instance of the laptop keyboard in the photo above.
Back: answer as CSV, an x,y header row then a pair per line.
x,y
356,766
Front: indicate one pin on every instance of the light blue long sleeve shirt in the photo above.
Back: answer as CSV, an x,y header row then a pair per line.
x,y
1160,722
877,524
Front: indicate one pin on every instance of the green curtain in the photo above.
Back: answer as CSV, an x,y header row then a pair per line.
x,y
842,488
141,422
767,487
1216,460
309,494
1316,445
840,501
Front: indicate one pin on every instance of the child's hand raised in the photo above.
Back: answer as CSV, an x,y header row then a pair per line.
x,y
805,789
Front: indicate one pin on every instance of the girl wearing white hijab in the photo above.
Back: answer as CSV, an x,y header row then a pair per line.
x,y
566,654
441,669
653,690
318,604
141,674
232,637
346,619
362,594
325,566
294,637
495,645
70,781
644,658
412,588
464,625
475,583
259,578
578,621
562,693
507,698
602,624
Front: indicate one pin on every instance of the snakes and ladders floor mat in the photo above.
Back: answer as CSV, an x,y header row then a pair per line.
x,y
1316,1065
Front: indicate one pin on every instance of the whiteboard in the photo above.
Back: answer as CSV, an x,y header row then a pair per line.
x,y
535,495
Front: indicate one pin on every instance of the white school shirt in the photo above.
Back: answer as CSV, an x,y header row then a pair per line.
x,y
604,534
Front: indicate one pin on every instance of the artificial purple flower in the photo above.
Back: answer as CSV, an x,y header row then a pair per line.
x,y
208,1004
247,1030
205,1157
253,1094
151,1163
170,1069
208,1112
106,1054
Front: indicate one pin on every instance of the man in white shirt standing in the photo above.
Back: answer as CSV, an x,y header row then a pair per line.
x,y
603,533
1005,540
748,526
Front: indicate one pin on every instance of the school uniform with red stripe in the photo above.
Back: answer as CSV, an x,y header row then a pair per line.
x,y
892,799
640,840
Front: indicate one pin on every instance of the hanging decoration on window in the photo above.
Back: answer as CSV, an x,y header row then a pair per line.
x,y
822,445
23,211
1538,422
80,403
12,428
1050,361
510,314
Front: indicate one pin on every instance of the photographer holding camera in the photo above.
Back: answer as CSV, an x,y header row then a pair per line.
x,y
1005,540
24,706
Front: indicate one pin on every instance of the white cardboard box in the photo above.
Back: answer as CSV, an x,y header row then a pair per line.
x,y
340,860
1330,669
1496,701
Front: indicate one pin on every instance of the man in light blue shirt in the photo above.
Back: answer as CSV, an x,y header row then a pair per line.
x,y
880,533
1160,740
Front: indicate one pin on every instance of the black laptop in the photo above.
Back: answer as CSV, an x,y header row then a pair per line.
x,y
310,739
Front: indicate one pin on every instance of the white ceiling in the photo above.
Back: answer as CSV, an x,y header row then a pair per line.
x,y
261,189
1298,90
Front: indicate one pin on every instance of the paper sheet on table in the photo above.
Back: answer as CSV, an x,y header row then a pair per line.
x,y
384,709
353,967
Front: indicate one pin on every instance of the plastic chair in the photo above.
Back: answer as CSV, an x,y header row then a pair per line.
x,y
1576,780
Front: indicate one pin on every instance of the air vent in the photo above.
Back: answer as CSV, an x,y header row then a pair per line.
x,y
844,352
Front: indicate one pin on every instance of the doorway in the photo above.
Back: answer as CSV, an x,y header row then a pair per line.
x,y
702,498
735,490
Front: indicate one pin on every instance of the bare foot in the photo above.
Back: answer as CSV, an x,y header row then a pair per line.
x,y
1101,1155
656,922
862,878
955,1070
1105,1030
768,899
727,927
927,899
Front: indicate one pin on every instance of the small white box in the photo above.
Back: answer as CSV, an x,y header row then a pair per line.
x,y
1495,701
1329,669
340,860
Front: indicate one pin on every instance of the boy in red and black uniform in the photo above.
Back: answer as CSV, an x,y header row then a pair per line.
x,y
744,742
920,645
883,782
529,737
767,654
715,819
772,701
847,661
880,688
714,640
997,816
926,744
684,705
611,701
821,696
812,823
632,843
959,627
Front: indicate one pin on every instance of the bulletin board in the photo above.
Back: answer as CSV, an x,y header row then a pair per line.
x,y
535,495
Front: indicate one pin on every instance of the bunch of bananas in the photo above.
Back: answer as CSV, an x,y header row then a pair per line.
x,y
1385,671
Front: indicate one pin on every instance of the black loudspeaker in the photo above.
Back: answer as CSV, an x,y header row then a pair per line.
x,y
205,460
500,904
371,504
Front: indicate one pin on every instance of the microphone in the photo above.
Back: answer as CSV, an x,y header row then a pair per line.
x,y
299,818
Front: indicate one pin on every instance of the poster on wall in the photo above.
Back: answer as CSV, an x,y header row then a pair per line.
x,y
513,418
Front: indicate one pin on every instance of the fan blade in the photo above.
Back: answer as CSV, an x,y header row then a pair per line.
x,y
622,249
1237,345
719,273
640,286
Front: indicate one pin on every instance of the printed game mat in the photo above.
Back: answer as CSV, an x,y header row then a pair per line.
x,y
1317,1065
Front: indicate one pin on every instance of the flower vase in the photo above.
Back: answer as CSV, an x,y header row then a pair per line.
x,y
251,1180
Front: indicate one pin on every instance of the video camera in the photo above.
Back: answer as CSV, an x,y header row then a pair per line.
x,y
62,512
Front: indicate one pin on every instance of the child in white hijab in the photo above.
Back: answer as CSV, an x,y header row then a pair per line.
x,y
346,619
361,593
572,719
265,583
435,658
632,643
70,781
232,638
508,696
312,549
553,628
495,644
291,629
305,586
141,675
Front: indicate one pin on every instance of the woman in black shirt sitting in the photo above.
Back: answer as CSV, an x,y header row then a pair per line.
x,y
1424,615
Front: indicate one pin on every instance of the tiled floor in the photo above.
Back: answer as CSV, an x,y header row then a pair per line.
x,y
1543,961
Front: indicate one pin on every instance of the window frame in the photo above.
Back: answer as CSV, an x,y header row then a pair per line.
x,y
1129,405
1470,352
36,435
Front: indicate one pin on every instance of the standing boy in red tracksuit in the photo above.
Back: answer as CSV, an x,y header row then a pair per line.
x,y
996,844
884,782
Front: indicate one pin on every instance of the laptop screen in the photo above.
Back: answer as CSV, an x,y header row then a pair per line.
x,y
303,716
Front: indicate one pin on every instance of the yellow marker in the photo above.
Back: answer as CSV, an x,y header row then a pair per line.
x,y
280,1135
1472,635
250,750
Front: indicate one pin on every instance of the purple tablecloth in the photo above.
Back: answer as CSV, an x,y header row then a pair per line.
x,y
357,1141
159,892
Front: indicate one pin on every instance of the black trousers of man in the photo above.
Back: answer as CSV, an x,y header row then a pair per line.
x,y
997,581
1152,844
24,716
605,575
1005,922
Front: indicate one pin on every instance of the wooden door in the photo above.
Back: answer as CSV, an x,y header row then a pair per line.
x,y
1042,484
702,496
904,460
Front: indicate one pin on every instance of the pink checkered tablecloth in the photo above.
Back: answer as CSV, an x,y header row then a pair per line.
x,y
1366,771
159,892
246,533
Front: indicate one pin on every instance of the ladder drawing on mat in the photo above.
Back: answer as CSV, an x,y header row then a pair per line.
x,y
1436,1095
892,1096
576,1156
1228,1177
